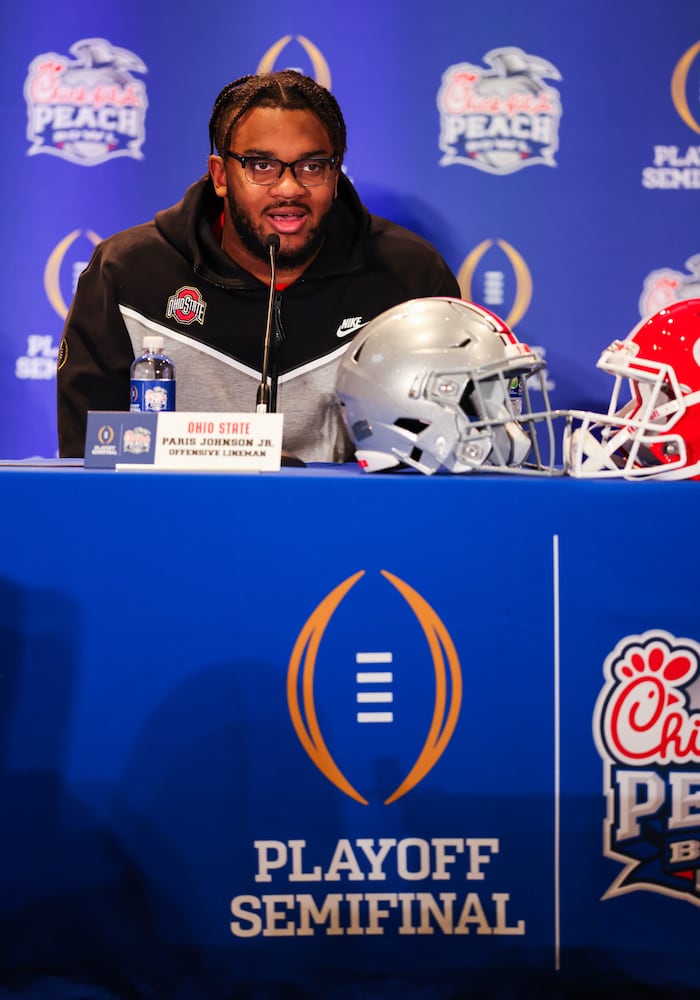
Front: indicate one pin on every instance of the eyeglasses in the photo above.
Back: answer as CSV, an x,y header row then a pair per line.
x,y
266,170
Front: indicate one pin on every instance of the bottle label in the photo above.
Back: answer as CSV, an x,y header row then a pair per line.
x,y
152,395
515,391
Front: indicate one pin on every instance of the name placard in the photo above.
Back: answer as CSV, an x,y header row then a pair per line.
x,y
246,442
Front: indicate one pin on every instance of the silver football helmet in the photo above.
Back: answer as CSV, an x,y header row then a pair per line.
x,y
442,384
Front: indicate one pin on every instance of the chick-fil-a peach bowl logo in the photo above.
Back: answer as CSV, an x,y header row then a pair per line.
x,y
378,679
646,726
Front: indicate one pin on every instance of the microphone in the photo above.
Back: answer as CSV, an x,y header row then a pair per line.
x,y
272,245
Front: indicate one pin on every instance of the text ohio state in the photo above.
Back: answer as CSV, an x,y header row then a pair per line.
x,y
356,866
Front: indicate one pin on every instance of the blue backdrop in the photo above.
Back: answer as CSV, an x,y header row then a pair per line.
x,y
394,766
550,151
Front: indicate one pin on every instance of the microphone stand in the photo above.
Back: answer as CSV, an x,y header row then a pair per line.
x,y
264,403
272,244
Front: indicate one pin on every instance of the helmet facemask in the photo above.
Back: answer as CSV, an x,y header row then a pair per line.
x,y
635,440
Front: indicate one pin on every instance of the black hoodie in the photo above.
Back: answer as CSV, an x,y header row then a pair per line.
x,y
170,276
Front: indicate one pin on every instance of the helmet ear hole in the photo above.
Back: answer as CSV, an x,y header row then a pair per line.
x,y
356,353
466,403
412,424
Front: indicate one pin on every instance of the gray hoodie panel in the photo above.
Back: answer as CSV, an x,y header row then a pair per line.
x,y
211,382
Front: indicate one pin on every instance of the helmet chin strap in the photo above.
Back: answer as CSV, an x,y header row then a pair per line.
x,y
427,470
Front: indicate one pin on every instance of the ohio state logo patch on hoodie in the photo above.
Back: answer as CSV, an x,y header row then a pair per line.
x,y
186,306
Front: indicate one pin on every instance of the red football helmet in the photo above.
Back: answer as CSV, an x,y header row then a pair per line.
x,y
657,432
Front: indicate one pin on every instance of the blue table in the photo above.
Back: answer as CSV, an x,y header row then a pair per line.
x,y
322,734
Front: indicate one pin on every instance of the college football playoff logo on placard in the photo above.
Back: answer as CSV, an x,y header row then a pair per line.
x,y
646,726
501,119
377,675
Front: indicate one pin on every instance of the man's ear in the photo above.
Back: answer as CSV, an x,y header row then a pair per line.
x,y
217,170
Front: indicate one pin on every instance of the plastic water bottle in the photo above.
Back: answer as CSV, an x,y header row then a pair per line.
x,y
152,378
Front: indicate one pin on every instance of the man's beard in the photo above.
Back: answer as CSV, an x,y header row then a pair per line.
x,y
254,241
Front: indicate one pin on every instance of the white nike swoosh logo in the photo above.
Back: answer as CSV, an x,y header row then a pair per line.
x,y
349,326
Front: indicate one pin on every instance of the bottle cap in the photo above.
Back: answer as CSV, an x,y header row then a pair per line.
x,y
153,342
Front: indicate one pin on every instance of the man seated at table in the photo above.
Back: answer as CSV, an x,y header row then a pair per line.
x,y
199,275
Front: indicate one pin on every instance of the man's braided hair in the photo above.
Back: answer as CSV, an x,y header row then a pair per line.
x,y
286,89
